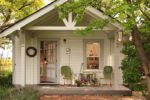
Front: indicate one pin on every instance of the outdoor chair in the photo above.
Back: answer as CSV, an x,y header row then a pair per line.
x,y
105,76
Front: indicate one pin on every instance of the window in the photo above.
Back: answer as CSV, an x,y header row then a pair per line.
x,y
92,55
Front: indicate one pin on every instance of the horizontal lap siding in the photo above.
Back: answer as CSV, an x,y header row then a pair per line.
x,y
76,55
31,62
74,42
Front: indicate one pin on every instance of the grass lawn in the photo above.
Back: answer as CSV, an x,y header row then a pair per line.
x,y
18,94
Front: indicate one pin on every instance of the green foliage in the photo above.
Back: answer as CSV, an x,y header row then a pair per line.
x,y
107,71
14,10
133,15
120,11
77,7
66,72
78,82
138,87
3,91
18,94
131,65
97,24
19,8
5,78
132,70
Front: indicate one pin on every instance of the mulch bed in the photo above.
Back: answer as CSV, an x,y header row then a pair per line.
x,y
89,97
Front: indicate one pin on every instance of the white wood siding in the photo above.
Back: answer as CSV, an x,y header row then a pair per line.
x,y
74,42
31,62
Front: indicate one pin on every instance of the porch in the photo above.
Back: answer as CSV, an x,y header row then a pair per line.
x,y
69,90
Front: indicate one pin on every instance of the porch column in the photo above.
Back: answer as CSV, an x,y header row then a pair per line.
x,y
13,59
116,62
23,59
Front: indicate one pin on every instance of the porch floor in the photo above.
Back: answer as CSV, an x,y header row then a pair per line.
x,y
68,90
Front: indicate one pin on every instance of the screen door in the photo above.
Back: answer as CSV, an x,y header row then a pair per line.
x,y
48,55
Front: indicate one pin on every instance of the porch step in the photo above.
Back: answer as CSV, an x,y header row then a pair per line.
x,y
84,90
47,84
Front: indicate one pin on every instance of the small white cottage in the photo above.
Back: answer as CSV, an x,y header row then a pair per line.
x,y
42,43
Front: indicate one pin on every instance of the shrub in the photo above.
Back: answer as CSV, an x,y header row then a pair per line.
x,y
5,78
138,87
131,68
131,65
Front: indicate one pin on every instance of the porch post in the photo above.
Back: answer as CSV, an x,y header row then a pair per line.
x,y
23,59
116,62
13,59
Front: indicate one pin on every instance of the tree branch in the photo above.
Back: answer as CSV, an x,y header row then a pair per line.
x,y
2,27
26,4
2,11
145,14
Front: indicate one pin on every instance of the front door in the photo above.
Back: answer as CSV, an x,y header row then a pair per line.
x,y
48,56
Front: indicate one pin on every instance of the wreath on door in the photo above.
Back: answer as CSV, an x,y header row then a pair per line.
x,y
31,51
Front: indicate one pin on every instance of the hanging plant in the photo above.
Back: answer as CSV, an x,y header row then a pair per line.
x,y
107,71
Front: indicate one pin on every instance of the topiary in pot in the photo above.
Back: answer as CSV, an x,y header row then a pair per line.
x,y
66,72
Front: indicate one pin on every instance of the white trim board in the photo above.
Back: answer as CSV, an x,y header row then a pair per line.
x,y
69,28
101,15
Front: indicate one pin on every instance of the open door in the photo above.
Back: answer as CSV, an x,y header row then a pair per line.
x,y
48,56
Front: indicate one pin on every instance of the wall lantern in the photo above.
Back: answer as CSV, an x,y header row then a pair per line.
x,y
119,36
65,41
124,37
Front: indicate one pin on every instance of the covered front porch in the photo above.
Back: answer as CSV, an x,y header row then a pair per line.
x,y
57,45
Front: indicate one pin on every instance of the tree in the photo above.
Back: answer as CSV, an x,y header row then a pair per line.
x,y
133,15
14,10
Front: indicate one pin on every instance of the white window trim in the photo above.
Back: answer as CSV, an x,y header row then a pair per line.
x,y
101,58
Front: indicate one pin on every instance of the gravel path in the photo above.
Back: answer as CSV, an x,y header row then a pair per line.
x,y
88,97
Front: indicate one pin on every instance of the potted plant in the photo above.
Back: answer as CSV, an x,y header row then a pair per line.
x,y
78,82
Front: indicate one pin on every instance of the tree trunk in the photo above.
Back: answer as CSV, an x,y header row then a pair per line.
x,y
142,54
148,85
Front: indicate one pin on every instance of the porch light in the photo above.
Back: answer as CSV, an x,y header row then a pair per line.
x,y
127,38
120,36
124,38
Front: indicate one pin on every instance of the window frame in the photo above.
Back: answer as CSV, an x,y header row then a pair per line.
x,y
101,53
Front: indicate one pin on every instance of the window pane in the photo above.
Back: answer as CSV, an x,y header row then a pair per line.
x,y
92,49
92,55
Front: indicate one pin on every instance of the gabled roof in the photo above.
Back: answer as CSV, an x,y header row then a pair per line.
x,y
27,16
21,23
32,17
